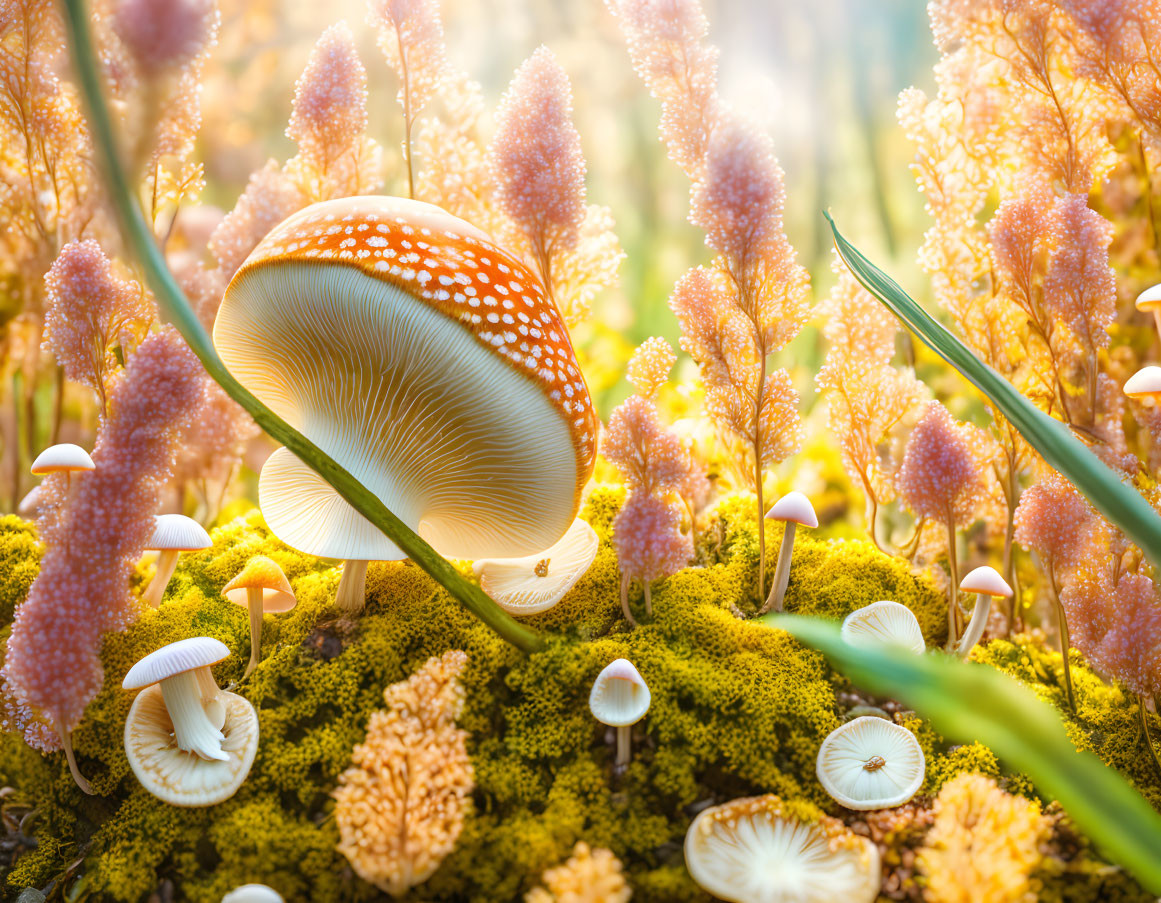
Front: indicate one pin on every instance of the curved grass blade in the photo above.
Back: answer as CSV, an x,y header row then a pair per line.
x,y
175,308
1123,505
967,702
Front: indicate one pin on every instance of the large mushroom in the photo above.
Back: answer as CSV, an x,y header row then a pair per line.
x,y
535,583
750,851
188,742
172,535
425,360
263,589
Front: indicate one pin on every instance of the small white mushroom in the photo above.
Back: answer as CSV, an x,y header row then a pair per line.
x,y
1150,301
262,588
794,509
29,507
172,535
535,583
188,742
1145,383
253,893
748,851
63,458
987,583
620,698
884,623
871,763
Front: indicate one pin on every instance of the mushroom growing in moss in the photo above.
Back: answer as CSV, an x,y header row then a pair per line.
x,y
172,535
535,583
987,584
620,698
884,622
870,763
188,742
429,363
751,851
794,510
262,588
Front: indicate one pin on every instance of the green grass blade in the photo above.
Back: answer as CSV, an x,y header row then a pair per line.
x,y
1123,505
967,702
175,308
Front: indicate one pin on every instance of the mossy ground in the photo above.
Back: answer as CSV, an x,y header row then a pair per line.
x,y
738,709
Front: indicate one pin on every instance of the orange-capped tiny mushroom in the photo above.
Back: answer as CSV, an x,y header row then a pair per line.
x,y
1150,302
1145,383
263,589
429,363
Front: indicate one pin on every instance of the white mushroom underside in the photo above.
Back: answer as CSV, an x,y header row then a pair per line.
x,y
184,778
761,858
463,448
516,585
843,757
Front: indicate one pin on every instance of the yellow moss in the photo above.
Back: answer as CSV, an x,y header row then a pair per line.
x,y
739,709
20,552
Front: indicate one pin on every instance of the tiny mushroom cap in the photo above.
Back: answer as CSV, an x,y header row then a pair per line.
x,y
63,458
253,893
884,623
262,573
871,763
173,704
1150,299
749,851
1145,383
619,696
988,581
535,583
796,507
427,361
178,533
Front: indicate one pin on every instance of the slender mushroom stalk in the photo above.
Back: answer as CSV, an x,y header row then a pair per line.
x,y
793,509
352,593
987,584
172,535
626,581
66,741
262,588
620,698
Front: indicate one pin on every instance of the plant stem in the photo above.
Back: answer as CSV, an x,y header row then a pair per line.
x,y
1064,644
1148,739
176,309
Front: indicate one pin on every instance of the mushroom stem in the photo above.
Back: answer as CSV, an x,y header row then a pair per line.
x,y
624,744
254,604
66,740
352,592
782,572
211,697
193,730
1157,319
166,562
976,625
625,581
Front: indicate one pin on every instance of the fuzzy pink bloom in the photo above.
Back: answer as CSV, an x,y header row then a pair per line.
x,y
1056,521
667,43
165,34
941,475
650,365
648,539
411,38
52,662
88,307
536,158
1117,627
330,98
650,457
216,437
1079,288
268,199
